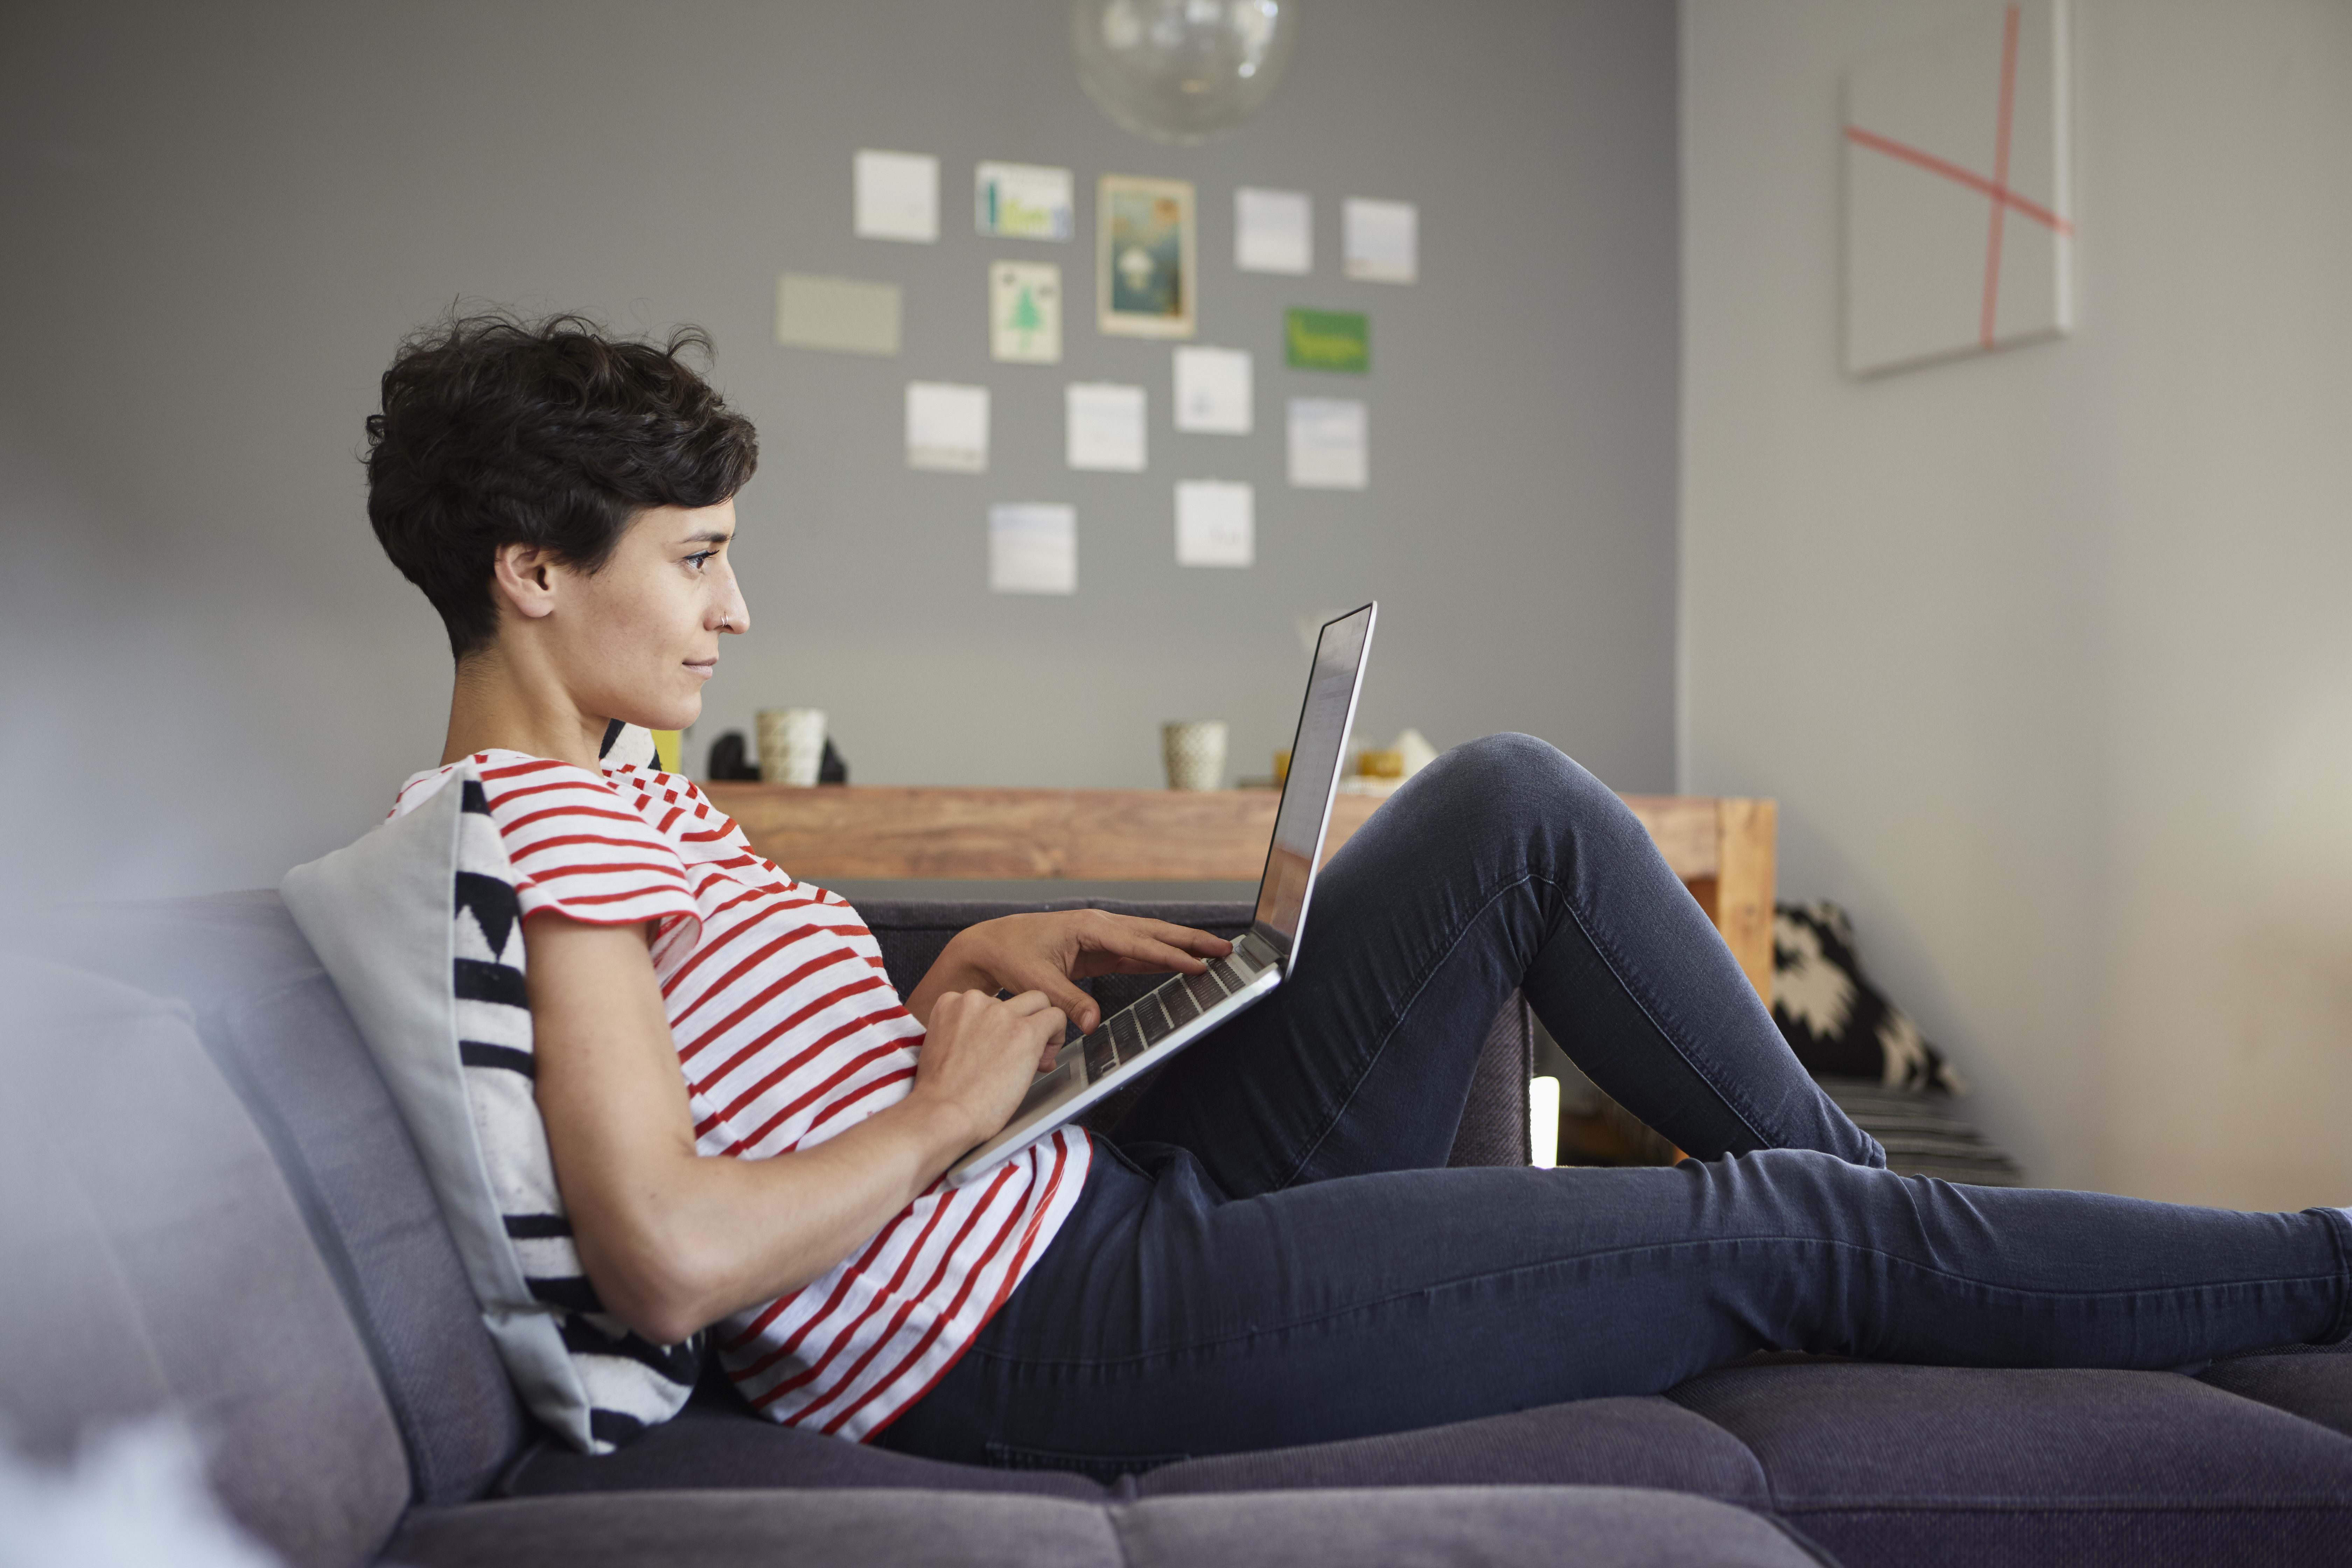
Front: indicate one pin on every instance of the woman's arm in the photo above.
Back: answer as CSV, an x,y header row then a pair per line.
x,y
1048,953
673,1240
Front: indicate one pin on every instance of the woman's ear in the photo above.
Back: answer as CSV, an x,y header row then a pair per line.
x,y
523,575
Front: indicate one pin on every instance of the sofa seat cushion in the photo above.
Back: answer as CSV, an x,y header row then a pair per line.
x,y
716,1443
1601,1527
2313,1382
1910,1464
1625,1442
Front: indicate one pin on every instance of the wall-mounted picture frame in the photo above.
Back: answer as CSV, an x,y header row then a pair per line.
x,y
1146,269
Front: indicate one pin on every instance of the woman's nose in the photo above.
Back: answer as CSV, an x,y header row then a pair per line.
x,y
735,615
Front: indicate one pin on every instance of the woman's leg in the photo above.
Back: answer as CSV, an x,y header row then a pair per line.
x,y
1502,864
1167,1321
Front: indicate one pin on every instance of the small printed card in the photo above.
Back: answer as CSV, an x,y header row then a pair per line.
x,y
1327,444
1213,391
1144,260
1328,340
898,196
1024,313
1381,240
1033,549
1216,524
947,427
1023,201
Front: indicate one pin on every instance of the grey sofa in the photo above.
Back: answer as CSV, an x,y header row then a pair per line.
x,y
245,1235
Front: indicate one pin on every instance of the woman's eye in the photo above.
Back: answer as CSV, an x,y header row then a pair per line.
x,y
701,558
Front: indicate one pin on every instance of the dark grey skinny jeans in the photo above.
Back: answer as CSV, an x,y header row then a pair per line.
x,y
1270,1250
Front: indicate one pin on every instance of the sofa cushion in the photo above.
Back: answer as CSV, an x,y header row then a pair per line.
x,y
1594,1527
761,1530
279,1033
1618,1442
719,1442
1903,1464
2313,1382
418,923
157,1261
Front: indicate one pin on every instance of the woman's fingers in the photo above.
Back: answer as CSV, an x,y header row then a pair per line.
x,y
1126,945
1052,988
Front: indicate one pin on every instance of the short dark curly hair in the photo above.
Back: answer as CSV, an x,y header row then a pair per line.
x,y
496,430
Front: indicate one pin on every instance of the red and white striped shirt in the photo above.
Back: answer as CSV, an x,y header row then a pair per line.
x,y
788,1031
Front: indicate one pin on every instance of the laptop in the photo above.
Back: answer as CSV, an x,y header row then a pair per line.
x,y
1183,1008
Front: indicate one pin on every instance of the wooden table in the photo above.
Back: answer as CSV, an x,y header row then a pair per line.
x,y
1721,846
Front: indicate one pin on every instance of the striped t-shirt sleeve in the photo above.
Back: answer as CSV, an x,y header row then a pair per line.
x,y
577,847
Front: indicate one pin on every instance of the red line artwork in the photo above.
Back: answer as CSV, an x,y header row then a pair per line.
x,y
1996,189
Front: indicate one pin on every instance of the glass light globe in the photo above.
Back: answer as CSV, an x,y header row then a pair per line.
x,y
1182,70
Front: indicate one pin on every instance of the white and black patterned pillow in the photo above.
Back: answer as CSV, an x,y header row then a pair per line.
x,y
418,925
1838,1023
629,1384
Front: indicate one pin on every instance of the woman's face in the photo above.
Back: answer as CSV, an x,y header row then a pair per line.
x,y
638,638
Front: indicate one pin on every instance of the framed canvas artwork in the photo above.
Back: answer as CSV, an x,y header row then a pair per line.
x,y
1144,261
1957,235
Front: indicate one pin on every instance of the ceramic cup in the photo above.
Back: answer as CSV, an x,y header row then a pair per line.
x,y
1194,750
791,744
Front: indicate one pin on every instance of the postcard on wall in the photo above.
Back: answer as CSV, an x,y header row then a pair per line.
x,y
1023,201
1381,240
1104,427
1328,340
1216,524
1327,444
1024,313
1033,549
1145,265
947,427
898,195
1213,391
1274,231
845,315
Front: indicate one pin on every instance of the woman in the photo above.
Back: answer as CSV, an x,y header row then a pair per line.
x,y
748,1128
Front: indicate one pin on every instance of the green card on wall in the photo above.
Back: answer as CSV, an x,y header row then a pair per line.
x,y
1329,340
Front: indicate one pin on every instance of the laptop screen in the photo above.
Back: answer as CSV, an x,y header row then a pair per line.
x,y
1315,759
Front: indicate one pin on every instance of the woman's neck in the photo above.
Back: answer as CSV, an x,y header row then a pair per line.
x,y
495,705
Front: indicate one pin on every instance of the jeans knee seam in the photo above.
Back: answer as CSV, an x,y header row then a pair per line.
x,y
1609,957
1404,1010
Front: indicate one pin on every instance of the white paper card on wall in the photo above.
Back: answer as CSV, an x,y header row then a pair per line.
x,y
1024,313
1104,426
898,195
845,315
1381,240
1329,444
947,427
1213,391
1274,231
1216,523
1958,239
1033,549
1023,201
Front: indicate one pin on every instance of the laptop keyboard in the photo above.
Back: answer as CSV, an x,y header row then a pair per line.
x,y
1161,1011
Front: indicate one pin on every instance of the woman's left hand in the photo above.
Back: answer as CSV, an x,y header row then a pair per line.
x,y
1051,952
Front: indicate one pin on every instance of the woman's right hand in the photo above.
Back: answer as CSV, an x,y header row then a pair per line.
x,y
980,1054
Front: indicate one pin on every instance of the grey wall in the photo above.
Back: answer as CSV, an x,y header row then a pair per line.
x,y
2045,653
222,218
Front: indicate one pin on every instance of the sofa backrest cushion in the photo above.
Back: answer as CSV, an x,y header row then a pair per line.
x,y
279,1032
419,925
156,1261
